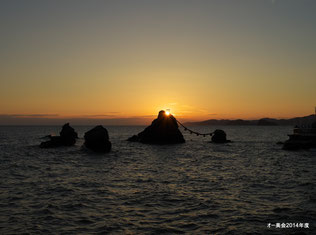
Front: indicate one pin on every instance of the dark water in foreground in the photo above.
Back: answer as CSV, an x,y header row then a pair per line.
x,y
196,187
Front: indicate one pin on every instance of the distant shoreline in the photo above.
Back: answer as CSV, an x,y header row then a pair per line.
x,y
306,120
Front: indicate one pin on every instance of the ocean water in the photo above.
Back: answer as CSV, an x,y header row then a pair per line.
x,y
193,188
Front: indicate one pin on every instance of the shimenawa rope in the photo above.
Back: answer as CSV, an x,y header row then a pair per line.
x,y
194,132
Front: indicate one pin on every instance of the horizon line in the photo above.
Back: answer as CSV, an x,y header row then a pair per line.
x,y
55,119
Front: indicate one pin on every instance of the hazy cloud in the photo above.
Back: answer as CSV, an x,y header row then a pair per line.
x,y
55,119
28,115
99,115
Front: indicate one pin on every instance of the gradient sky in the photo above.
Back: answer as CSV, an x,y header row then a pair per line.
x,y
129,59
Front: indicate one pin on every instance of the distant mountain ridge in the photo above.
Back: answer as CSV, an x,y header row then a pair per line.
x,y
307,120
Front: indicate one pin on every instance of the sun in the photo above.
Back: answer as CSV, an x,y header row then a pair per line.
x,y
167,113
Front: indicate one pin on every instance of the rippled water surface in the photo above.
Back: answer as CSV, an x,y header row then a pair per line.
x,y
196,187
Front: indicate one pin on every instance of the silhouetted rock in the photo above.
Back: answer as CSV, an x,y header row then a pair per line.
x,y
55,141
219,136
67,137
163,130
97,139
134,138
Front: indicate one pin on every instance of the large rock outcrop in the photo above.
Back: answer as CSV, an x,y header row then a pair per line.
x,y
163,130
97,140
67,137
219,136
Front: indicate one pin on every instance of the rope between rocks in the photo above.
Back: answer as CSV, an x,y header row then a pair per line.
x,y
194,132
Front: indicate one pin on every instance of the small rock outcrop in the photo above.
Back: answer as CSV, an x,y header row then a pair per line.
x,y
67,137
163,130
97,140
219,136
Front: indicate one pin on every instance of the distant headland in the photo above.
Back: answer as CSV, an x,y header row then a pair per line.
x,y
258,122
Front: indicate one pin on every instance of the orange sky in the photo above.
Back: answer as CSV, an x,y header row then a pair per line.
x,y
203,60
